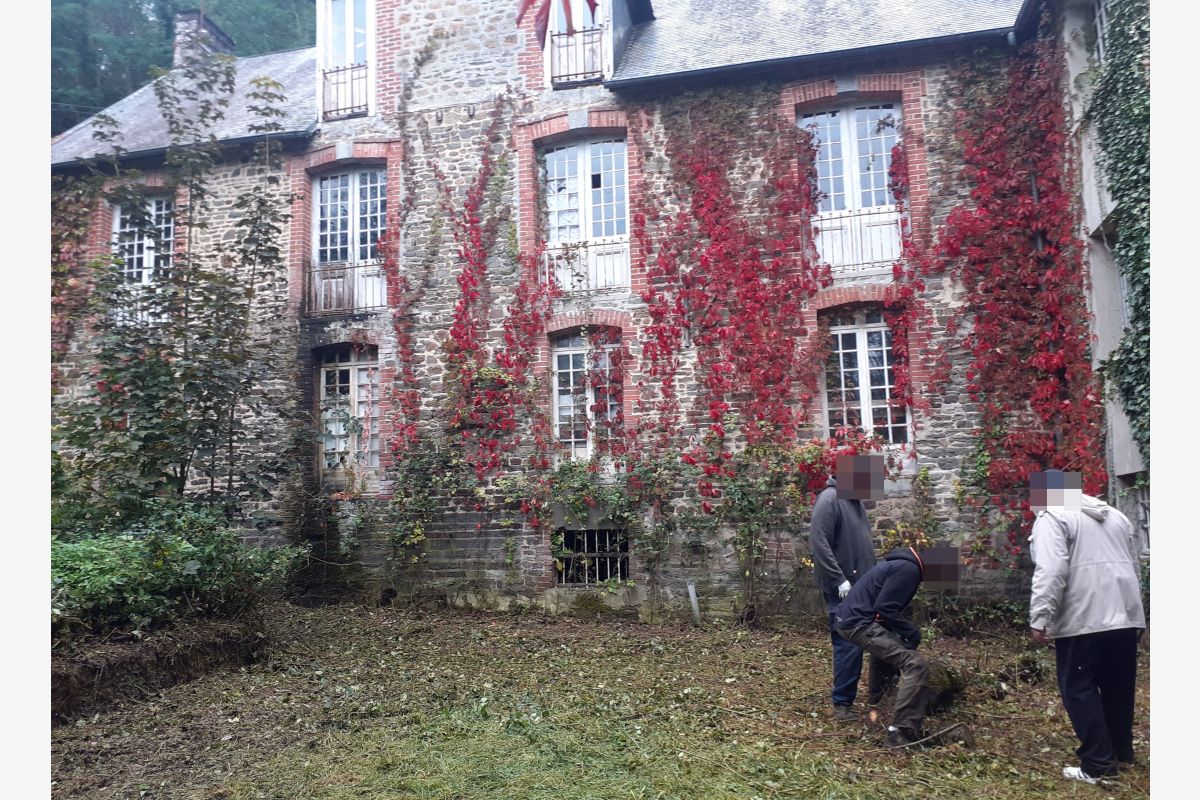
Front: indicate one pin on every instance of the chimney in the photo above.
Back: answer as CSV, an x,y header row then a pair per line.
x,y
197,35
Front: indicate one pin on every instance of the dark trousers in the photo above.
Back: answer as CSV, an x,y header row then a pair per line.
x,y
1097,673
847,666
912,693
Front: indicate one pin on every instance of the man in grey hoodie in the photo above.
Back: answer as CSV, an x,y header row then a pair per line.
x,y
842,552
1087,602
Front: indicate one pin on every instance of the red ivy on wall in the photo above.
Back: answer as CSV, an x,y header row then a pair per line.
x,y
1021,264
730,273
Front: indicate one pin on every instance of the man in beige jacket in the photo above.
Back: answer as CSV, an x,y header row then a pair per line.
x,y
1087,603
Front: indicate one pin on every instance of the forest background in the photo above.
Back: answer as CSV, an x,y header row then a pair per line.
x,y
103,50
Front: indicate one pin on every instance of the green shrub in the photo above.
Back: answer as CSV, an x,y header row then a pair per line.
x,y
160,569
952,614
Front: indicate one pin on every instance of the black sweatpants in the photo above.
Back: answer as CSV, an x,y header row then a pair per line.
x,y
1097,673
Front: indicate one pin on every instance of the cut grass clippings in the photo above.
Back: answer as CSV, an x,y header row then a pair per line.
x,y
358,703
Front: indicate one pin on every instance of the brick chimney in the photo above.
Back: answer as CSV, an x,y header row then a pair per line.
x,y
197,34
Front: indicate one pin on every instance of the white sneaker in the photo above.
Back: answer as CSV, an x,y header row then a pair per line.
x,y
1077,774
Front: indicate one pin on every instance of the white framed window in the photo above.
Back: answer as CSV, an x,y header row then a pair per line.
x,y
577,50
857,222
350,212
348,385
860,377
144,238
346,41
587,393
585,188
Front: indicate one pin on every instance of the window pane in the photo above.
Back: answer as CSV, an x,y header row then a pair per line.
x,y
876,135
561,190
333,216
608,211
360,31
337,33
372,212
826,129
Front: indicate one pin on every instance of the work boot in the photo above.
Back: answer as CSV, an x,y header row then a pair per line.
x,y
844,713
901,737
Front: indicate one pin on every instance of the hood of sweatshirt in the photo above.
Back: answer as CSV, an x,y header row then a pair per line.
x,y
1096,509
906,554
831,482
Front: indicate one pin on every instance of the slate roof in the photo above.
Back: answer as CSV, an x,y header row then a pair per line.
x,y
690,36
143,129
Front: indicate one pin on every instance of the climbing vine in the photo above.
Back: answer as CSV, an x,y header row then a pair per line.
x,y
1120,110
1024,322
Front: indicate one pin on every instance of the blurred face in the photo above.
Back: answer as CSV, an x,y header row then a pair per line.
x,y
1055,489
860,477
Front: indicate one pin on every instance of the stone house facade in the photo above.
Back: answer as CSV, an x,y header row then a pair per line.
x,y
389,121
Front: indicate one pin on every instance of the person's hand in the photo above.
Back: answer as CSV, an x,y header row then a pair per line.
x,y
1040,637
843,590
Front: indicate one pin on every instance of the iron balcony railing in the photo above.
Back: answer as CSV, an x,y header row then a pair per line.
x,y
864,241
345,92
589,267
345,288
577,57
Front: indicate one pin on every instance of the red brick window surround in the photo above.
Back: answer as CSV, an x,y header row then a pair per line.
x,y
587,387
344,200
348,404
855,236
579,186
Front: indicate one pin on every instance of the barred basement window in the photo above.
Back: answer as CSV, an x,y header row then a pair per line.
x,y
588,557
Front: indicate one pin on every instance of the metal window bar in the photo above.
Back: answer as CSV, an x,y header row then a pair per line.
x,y
345,92
593,556
345,288
577,57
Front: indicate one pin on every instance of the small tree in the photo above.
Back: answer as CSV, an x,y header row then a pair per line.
x,y
181,359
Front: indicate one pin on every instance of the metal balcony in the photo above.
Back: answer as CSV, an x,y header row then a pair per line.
x,y
345,92
589,267
859,242
576,58
345,288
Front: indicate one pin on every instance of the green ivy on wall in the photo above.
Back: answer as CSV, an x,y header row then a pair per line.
x,y
1121,112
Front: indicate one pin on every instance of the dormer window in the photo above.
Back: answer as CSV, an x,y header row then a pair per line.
x,y
347,49
577,45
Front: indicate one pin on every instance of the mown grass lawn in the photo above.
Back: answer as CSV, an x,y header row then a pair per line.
x,y
357,703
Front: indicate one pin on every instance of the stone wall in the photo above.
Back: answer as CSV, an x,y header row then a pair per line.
x,y
445,71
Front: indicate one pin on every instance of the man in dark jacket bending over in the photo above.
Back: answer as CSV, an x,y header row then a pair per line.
x,y
872,617
842,552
